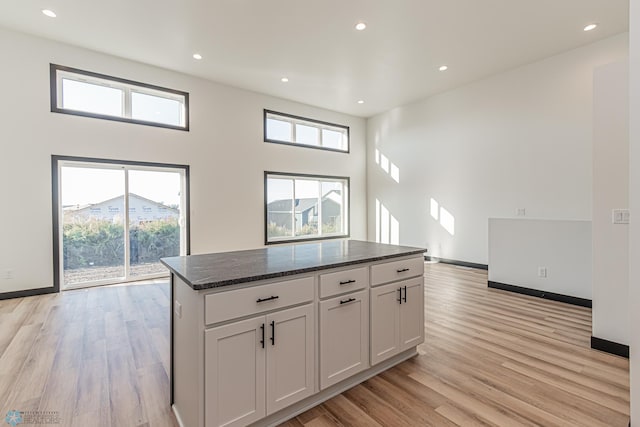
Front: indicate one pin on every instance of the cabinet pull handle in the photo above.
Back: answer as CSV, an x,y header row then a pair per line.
x,y
273,332
271,298
346,282
262,340
346,301
405,294
402,270
400,299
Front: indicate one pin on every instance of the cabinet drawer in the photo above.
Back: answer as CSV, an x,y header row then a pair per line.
x,y
343,281
245,302
396,270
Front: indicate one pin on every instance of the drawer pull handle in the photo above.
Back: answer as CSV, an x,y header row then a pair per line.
x,y
405,294
346,301
346,282
273,332
267,299
262,340
402,270
400,299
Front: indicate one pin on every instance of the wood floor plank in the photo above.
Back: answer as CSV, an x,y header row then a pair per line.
x,y
405,403
617,404
473,363
459,417
124,391
321,421
348,413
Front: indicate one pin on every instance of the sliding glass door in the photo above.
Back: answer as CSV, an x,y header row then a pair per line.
x,y
117,220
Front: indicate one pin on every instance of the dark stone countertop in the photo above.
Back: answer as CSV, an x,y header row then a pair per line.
x,y
229,268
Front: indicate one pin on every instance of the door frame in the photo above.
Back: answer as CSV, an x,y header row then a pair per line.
x,y
56,164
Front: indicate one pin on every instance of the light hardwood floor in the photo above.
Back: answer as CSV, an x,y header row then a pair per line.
x,y
99,357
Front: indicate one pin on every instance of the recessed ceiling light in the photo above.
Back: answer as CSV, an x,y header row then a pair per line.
x,y
443,68
284,80
590,27
49,13
361,26
361,101
197,56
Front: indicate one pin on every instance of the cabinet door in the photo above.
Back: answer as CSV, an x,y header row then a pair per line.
x,y
234,374
344,337
385,322
412,313
290,356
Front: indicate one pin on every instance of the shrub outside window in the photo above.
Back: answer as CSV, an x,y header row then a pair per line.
x,y
305,207
89,94
283,128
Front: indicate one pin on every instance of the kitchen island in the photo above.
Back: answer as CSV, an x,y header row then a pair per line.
x,y
258,336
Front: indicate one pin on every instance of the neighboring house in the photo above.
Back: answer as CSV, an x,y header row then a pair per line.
x,y
140,210
306,210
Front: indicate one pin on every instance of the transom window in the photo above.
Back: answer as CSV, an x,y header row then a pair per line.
x,y
305,207
95,95
283,128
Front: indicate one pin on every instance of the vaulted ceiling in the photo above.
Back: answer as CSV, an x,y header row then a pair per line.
x,y
253,44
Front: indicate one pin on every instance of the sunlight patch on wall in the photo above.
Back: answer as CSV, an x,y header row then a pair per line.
x,y
377,220
394,232
443,216
395,173
447,221
384,163
434,209
387,166
387,226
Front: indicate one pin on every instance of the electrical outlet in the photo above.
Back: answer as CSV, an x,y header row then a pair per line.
x,y
521,212
620,216
542,272
8,275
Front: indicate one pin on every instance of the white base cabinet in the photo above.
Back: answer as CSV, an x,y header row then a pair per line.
x,y
290,357
397,318
235,374
344,337
258,353
258,366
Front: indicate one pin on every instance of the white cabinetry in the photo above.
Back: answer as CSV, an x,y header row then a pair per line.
x,y
258,366
235,374
344,337
412,313
290,357
258,352
397,318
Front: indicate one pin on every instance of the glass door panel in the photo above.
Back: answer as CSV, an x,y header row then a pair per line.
x,y
93,225
155,220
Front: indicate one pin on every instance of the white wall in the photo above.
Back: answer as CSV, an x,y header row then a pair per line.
x,y
518,247
610,191
520,139
634,199
224,149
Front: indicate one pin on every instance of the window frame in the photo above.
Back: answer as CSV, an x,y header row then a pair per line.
x,y
346,211
293,119
58,72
